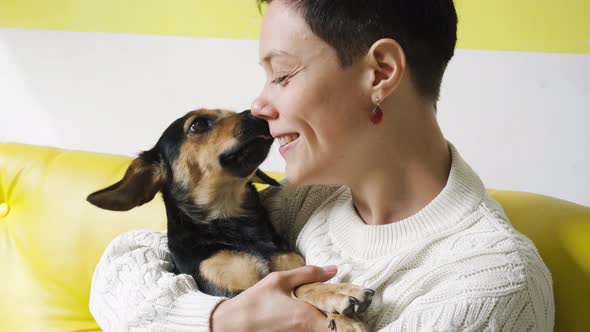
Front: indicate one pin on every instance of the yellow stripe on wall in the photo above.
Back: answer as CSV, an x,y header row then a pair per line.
x,y
203,18
525,25
517,25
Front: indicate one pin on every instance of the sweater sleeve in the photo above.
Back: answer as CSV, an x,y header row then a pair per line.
x,y
510,312
134,288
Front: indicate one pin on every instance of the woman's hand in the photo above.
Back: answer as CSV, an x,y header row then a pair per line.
x,y
269,306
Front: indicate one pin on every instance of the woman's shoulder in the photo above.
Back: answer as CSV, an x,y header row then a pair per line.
x,y
498,253
295,196
290,206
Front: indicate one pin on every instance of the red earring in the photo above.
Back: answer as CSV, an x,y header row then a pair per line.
x,y
377,113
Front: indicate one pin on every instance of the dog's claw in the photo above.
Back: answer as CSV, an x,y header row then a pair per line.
x,y
348,310
332,325
363,306
354,302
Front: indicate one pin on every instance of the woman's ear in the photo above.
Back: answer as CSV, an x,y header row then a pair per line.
x,y
388,64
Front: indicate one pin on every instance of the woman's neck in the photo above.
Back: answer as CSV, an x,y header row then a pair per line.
x,y
405,175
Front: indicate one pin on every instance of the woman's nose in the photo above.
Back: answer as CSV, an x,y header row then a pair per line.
x,y
261,108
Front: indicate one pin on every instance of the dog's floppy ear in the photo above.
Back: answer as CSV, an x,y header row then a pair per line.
x,y
140,184
262,178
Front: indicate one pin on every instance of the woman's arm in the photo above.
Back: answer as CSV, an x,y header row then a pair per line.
x,y
269,306
133,287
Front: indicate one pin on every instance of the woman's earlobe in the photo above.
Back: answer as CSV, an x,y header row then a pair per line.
x,y
377,113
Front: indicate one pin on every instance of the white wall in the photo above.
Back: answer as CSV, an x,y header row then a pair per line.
x,y
521,119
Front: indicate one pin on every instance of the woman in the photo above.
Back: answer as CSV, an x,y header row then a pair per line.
x,y
376,195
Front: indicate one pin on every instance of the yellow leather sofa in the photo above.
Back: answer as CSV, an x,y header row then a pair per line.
x,y
51,238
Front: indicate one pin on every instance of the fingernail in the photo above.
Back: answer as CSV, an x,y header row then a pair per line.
x,y
330,268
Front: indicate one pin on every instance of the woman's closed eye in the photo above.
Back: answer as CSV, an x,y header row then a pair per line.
x,y
281,80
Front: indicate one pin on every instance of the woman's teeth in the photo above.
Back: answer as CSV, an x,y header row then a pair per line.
x,y
284,140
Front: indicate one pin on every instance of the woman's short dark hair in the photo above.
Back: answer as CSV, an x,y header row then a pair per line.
x,y
425,29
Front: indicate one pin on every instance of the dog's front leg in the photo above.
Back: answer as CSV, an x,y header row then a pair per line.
x,y
338,301
233,271
286,261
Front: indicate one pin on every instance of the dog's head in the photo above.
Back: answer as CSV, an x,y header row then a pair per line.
x,y
205,158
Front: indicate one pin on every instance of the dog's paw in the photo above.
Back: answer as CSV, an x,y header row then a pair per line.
x,y
341,323
359,302
344,299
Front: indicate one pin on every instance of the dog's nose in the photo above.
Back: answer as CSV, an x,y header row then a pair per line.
x,y
249,117
250,122
248,114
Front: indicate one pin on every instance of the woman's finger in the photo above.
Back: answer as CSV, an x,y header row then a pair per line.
x,y
306,275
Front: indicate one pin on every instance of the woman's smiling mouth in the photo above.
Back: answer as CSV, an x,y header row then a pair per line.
x,y
287,142
286,139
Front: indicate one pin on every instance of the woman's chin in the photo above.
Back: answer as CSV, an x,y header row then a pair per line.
x,y
293,178
296,175
302,176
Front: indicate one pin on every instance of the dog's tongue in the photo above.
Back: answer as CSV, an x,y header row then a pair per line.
x,y
264,137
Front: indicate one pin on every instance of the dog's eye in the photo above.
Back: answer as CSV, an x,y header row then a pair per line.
x,y
200,125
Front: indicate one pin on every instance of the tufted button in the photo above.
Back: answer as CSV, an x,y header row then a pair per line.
x,y
4,209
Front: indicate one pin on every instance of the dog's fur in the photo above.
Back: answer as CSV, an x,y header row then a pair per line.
x,y
218,232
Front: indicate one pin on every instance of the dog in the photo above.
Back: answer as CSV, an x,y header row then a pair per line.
x,y
204,165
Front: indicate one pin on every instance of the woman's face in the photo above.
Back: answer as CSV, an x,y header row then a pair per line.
x,y
317,109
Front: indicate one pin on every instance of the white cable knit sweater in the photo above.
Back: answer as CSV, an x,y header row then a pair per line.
x,y
456,265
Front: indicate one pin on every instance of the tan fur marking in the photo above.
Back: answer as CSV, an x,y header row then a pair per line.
x,y
234,271
346,324
284,262
329,297
186,169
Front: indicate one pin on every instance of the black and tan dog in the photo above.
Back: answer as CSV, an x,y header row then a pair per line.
x,y
218,232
